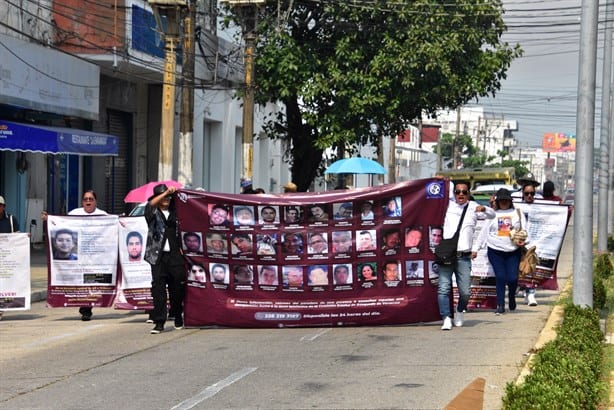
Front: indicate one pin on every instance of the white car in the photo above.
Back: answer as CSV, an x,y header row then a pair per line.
x,y
138,210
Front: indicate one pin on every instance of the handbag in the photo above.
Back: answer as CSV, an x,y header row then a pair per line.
x,y
518,236
528,262
445,252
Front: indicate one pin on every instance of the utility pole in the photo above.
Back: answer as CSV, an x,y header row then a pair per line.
x,y
455,147
248,12
171,9
606,137
186,124
583,210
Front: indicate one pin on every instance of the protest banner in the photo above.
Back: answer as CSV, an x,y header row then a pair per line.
x,y
83,260
335,258
14,271
546,227
134,282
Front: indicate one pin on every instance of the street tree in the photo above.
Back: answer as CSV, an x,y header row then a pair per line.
x,y
352,72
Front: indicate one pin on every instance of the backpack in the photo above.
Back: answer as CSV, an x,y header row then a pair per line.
x,y
528,262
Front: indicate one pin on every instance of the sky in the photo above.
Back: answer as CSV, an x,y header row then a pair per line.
x,y
540,91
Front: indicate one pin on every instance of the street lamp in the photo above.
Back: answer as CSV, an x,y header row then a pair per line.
x,y
171,9
247,10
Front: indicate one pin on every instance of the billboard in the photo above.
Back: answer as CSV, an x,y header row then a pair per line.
x,y
559,142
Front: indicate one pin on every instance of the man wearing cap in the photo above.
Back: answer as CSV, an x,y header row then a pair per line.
x,y
461,268
164,255
290,187
8,223
525,181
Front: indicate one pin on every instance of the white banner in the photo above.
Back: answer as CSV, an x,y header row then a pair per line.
x,y
14,271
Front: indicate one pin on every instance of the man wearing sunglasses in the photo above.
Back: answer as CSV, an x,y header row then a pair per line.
x,y
461,268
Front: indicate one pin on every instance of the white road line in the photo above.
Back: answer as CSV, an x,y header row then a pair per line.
x,y
214,389
62,336
314,337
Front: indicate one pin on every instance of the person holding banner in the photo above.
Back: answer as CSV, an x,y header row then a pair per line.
x,y
89,207
503,254
461,268
164,255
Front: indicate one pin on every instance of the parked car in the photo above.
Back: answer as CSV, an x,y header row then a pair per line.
x,y
138,210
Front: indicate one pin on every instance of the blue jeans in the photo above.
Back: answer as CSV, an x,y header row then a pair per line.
x,y
505,265
462,269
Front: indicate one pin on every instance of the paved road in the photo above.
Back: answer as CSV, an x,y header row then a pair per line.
x,y
51,360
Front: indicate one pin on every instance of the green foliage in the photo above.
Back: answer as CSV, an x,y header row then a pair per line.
x,y
567,372
520,166
352,73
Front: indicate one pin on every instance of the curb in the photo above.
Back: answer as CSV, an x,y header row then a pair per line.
x,y
548,333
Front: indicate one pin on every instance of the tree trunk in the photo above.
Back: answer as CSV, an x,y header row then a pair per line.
x,y
306,158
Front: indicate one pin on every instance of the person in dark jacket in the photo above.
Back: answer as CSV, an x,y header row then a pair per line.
x,y
164,255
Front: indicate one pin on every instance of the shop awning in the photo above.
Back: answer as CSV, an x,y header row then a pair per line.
x,y
55,140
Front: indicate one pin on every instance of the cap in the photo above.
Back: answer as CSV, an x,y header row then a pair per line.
x,y
245,183
290,187
158,189
2,201
216,237
503,194
528,179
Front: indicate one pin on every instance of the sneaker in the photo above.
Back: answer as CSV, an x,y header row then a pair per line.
x,y
531,301
149,321
459,319
178,322
500,310
158,328
447,324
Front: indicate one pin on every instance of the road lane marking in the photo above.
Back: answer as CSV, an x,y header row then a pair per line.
x,y
314,337
213,389
62,336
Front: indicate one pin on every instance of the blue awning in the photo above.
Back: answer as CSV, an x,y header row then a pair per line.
x,y
55,140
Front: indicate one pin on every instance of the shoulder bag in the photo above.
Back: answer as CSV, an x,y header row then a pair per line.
x,y
445,252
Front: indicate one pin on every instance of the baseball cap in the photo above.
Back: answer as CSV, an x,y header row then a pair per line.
x,y
245,183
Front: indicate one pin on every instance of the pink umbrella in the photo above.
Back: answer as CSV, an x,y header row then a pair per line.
x,y
142,193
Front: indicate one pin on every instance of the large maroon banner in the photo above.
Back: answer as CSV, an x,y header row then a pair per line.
x,y
336,258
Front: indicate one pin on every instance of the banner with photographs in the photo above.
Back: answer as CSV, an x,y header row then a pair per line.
x,y
15,271
82,261
546,226
134,287
342,258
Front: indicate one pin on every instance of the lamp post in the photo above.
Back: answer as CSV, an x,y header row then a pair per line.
x,y
171,9
247,10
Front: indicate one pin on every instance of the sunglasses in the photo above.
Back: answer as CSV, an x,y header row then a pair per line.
x,y
529,193
461,191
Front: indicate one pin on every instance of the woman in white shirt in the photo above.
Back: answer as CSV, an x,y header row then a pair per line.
x,y
503,254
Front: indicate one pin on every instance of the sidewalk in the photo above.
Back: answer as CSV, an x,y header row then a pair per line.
x,y
38,273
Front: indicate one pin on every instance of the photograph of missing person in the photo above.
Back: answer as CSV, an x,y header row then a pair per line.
x,y
64,243
192,243
219,273
219,215
269,215
392,207
217,243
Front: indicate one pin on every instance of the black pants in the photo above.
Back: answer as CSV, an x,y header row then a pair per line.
x,y
169,271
